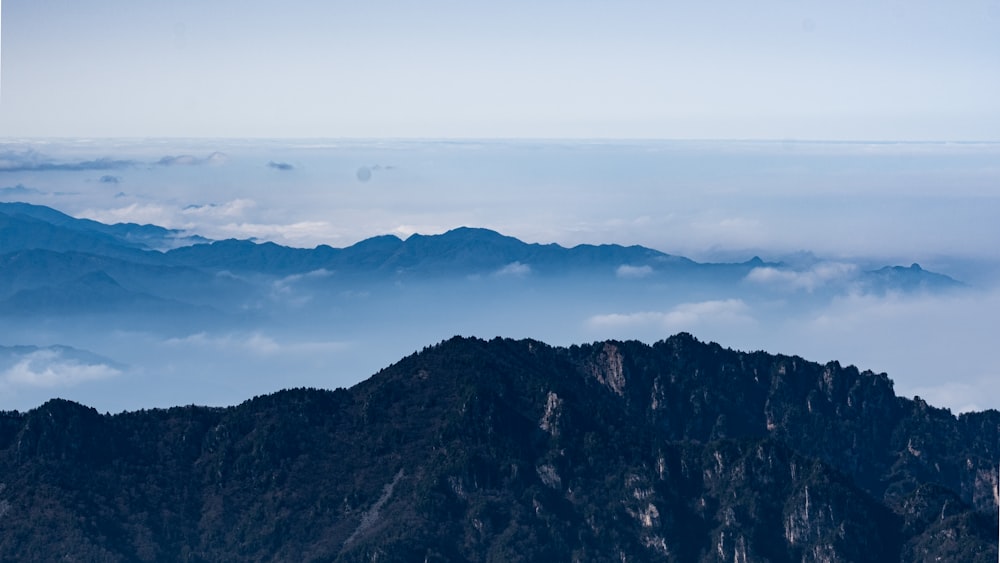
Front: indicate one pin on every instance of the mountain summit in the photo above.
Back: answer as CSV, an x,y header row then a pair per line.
x,y
513,450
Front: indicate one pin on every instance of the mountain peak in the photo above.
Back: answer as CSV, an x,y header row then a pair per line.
x,y
473,450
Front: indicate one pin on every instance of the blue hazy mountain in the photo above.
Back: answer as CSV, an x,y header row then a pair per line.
x,y
251,257
94,292
912,278
51,262
126,234
11,355
22,232
464,251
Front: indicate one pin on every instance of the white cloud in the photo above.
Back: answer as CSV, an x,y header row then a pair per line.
x,y
933,345
819,275
198,218
151,213
404,231
856,310
233,208
48,368
959,396
256,343
684,316
190,160
633,272
284,290
514,269
293,234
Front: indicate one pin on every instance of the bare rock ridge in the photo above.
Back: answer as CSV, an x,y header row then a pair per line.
x,y
513,450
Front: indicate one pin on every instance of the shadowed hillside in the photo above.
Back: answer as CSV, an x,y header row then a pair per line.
x,y
507,450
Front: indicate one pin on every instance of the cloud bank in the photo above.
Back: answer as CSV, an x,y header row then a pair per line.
x,y
682,317
815,277
32,161
514,269
189,160
633,272
52,368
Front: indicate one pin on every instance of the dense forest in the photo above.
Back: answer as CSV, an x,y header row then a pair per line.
x,y
506,450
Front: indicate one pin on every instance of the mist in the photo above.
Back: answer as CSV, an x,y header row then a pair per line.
x,y
820,214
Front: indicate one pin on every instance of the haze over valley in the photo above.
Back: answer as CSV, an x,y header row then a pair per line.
x,y
365,251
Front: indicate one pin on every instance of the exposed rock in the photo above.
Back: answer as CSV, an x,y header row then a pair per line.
x,y
517,451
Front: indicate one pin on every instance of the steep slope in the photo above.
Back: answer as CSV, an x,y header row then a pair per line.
x,y
516,451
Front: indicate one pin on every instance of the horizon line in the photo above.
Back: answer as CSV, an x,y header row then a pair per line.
x,y
816,140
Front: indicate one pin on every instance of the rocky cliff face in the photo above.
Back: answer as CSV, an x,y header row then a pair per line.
x,y
516,451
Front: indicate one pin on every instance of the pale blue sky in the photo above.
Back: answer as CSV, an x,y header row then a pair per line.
x,y
901,70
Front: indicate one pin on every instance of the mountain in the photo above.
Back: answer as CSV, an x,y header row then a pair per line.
x,y
22,232
461,251
149,237
513,450
13,355
55,267
35,268
94,292
913,278
457,253
250,257
470,250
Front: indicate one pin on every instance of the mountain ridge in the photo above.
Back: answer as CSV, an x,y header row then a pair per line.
x,y
463,250
488,450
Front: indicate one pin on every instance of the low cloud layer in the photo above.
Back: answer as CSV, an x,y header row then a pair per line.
x,y
633,272
810,279
51,368
256,343
190,160
682,317
866,206
32,161
233,208
514,269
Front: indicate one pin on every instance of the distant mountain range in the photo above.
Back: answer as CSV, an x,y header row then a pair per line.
x,y
513,450
51,263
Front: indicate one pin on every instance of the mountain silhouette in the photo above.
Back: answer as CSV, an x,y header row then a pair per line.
x,y
513,450
460,252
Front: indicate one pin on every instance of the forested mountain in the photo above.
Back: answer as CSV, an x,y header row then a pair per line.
x,y
513,450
